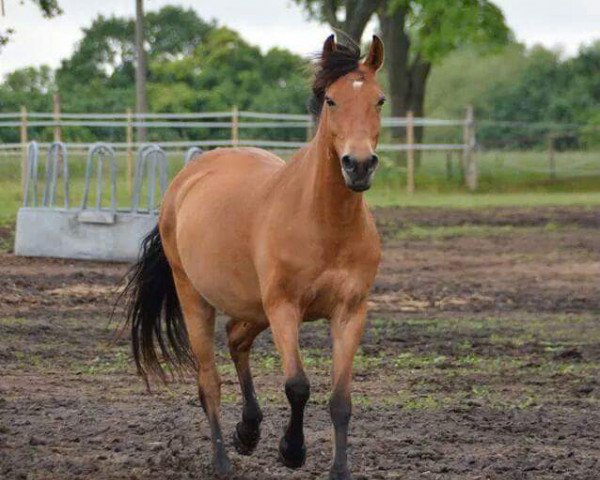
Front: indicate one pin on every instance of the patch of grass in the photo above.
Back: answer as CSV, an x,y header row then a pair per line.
x,y
418,232
411,361
29,359
116,362
14,321
427,402
500,171
507,179
388,196
230,398
7,234
268,362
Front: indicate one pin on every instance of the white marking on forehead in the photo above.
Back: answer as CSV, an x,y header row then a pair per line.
x,y
356,84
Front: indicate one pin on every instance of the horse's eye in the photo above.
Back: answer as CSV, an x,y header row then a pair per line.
x,y
381,102
329,102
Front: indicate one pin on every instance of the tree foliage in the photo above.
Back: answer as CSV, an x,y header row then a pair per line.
x,y
418,34
438,27
50,8
194,66
517,84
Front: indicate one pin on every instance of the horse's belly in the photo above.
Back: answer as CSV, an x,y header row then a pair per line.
x,y
226,282
213,241
238,303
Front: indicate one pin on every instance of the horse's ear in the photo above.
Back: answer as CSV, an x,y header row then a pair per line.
x,y
329,46
374,58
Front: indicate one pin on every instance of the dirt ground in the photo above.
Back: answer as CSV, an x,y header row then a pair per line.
x,y
481,361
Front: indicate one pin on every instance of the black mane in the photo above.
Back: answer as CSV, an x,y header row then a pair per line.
x,y
332,66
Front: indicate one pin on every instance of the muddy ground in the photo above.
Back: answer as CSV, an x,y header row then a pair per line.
x,y
481,361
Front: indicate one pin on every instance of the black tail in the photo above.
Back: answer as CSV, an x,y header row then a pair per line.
x,y
154,313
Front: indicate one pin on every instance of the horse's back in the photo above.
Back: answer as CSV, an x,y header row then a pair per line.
x,y
229,165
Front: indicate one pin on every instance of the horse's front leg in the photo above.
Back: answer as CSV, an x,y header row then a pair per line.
x,y
346,330
285,322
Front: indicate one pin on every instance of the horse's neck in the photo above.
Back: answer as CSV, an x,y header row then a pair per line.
x,y
329,200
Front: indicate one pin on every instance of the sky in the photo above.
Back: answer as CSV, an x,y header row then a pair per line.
x,y
268,23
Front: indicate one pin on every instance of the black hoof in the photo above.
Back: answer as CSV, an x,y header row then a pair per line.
x,y
245,439
223,468
291,458
340,473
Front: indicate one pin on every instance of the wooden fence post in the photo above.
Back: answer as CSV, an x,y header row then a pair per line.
x,y
24,140
469,145
129,141
449,172
410,141
235,132
552,156
56,117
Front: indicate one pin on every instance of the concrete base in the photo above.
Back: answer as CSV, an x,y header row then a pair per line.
x,y
52,232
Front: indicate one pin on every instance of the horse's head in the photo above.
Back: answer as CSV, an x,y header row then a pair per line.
x,y
348,99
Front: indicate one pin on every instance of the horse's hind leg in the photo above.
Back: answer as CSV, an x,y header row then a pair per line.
x,y
241,335
200,324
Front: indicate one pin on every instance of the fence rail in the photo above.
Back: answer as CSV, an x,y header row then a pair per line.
x,y
168,120
234,121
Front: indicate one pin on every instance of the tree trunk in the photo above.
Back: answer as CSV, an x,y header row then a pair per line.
x,y
407,80
140,72
419,73
357,15
397,45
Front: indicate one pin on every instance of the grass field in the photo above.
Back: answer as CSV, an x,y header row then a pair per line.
x,y
506,179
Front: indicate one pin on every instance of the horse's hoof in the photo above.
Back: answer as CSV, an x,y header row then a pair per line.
x,y
340,473
223,468
291,458
245,439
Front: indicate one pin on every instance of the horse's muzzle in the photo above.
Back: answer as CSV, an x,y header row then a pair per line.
x,y
358,173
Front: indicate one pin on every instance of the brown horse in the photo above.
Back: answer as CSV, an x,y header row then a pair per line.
x,y
270,245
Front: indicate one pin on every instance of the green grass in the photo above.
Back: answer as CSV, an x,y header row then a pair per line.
x,y
381,196
11,196
506,179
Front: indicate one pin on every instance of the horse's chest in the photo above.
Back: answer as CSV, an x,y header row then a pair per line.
x,y
321,277
334,289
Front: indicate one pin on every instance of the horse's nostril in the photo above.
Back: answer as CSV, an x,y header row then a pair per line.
x,y
348,163
373,162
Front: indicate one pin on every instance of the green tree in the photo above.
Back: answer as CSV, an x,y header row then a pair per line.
x,y
105,57
535,87
26,86
193,65
225,71
418,34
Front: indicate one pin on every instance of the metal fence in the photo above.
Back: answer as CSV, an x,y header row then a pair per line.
x,y
106,229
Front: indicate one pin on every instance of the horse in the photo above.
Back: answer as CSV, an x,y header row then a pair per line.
x,y
271,245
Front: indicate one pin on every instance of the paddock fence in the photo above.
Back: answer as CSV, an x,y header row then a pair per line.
x,y
180,131
416,153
